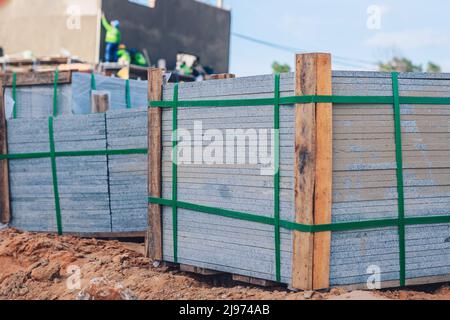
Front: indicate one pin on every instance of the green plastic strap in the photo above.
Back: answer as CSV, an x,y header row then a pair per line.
x,y
86,153
55,93
400,189
363,100
175,173
276,182
293,226
54,175
14,95
127,94
93,83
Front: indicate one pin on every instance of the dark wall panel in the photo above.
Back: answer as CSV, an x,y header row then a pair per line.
x,y
172,27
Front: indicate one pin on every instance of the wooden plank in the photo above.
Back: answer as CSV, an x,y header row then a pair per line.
x,y
221,76
102,235
199,270
37,78
99,102
313,76
324,174
4,175
154,232
254,281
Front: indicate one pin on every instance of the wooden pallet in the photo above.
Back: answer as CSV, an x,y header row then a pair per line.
x,y
198,270
255,281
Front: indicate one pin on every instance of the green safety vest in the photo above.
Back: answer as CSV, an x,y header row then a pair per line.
x,y
139,59
124,54
112,34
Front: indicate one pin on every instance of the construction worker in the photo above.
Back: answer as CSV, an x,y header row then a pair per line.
x,y
112,39
137,58
123,55
185,69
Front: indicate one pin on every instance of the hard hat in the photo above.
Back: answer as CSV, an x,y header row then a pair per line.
x,y
122,46
115,23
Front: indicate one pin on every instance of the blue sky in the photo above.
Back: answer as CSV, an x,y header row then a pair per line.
x,y
418,30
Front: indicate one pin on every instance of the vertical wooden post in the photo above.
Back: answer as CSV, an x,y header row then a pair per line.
x,y
153,241
313,172
4,174
99,102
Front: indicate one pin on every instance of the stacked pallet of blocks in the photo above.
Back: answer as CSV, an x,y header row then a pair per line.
x,y
98,193
128,173
364,180
82,86
82,181
37,101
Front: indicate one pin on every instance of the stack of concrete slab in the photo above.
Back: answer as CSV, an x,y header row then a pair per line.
x,y
98,194
31,188
116,87
128,174
82,181
364,179
37,101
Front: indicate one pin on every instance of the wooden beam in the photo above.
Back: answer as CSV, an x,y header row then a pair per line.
x,y
37,78
221,76
99,101
153,241
312,172
324,174
254,281
5,215
198,270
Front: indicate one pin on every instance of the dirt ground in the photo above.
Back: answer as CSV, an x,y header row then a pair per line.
x,y
42,266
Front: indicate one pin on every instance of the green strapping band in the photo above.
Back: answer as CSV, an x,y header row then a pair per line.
x,y
37,155
276,182
175,173
14,95
55,93
93,83
363,100
54,176
293,226
400,189
127,94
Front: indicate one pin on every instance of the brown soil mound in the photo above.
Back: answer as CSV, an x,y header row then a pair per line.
x,y
42,266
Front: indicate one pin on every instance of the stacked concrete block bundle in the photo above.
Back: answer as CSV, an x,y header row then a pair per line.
x,y
98,194
220,243
37,101
128,174
364,180
82,181
116,87
31,188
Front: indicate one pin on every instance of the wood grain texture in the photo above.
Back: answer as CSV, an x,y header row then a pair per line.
x,y
221,76
99,102
4,175
304,172
324,173
313,171
154,233
36,78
